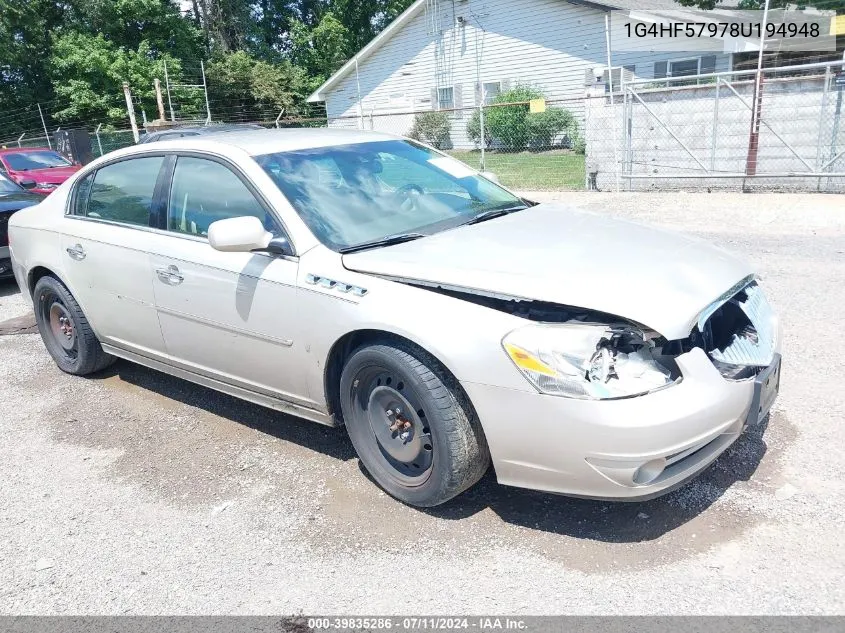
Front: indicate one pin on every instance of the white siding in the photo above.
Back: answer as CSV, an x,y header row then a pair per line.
x,y
550,44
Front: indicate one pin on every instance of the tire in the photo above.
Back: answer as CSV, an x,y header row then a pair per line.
x,y
428,450
66,333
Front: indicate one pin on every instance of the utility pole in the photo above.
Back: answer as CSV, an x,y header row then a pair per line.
x,y
130,109
159,100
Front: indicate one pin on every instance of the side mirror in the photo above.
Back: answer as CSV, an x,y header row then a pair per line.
x,y
239,235
27,183
489,175
280,246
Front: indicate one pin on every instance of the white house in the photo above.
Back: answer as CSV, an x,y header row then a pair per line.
x,y
454,54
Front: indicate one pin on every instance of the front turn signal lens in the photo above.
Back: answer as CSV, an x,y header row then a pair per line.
x,y
527,361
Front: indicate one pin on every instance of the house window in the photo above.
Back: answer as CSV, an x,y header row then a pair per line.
x,y
491,91
684,67
687,67
397,99
618,76
445,98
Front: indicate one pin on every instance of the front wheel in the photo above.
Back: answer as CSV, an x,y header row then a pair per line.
x,y
411,424
65,331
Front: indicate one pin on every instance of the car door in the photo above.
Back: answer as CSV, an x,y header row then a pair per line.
x,y
229,316
106,245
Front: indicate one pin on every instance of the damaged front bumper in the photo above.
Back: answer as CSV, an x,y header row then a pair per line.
x,y
626,449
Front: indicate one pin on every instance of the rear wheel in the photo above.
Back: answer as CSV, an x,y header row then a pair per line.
x,y
411,424
65,331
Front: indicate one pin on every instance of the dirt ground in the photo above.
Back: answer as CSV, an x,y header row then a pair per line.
x,y
133,492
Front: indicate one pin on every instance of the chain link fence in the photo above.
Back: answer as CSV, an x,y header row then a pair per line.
x,y
700,132
722,131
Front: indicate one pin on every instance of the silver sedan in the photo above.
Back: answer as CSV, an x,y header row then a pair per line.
x,y
364,280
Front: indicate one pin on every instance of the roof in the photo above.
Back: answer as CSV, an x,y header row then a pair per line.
x,y
394,27
257,142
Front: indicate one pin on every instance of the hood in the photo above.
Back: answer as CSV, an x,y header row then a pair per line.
x,y
16,201
52,175
554,253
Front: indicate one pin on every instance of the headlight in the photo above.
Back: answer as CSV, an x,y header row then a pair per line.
x,y
587,361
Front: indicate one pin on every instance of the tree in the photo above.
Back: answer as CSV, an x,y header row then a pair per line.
x,y
129,23
26,28
242,87
88,72
321,50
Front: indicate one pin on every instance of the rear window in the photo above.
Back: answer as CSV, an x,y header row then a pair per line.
x,y
123,192
25,161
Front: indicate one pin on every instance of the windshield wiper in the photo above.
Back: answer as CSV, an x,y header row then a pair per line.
x,y
493,213
390,240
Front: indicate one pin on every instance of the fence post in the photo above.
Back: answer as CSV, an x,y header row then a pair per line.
x,y
834,137
44,125
97,134
20,138
205,91
130,109
159,99
629,134
715,126
167,87
821,125
612,104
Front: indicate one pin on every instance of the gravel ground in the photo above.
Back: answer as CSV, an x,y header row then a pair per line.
x,y
133,492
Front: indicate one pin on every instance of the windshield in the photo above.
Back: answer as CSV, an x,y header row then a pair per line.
x,y
354,194
36,160
7,186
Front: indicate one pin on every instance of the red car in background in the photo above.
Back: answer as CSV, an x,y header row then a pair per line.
x,y
38,169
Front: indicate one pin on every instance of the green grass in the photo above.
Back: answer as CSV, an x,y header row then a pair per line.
x,y
557,170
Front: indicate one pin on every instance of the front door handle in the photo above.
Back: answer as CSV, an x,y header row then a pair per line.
x,y
170,275
76,252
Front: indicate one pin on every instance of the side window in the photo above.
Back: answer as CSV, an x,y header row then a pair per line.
x,y
123,192
83,190
204,191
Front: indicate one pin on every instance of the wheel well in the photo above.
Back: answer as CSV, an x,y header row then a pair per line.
x,y
343,349
37,273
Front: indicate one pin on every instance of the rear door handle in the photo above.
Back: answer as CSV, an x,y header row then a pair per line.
x,y
170,275
76,252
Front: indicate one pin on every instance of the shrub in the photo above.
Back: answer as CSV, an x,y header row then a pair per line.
x,y
508,124
516,128
432,128
543,127
474,129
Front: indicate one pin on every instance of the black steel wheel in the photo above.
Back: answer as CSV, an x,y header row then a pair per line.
x,y
65,331
411,424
